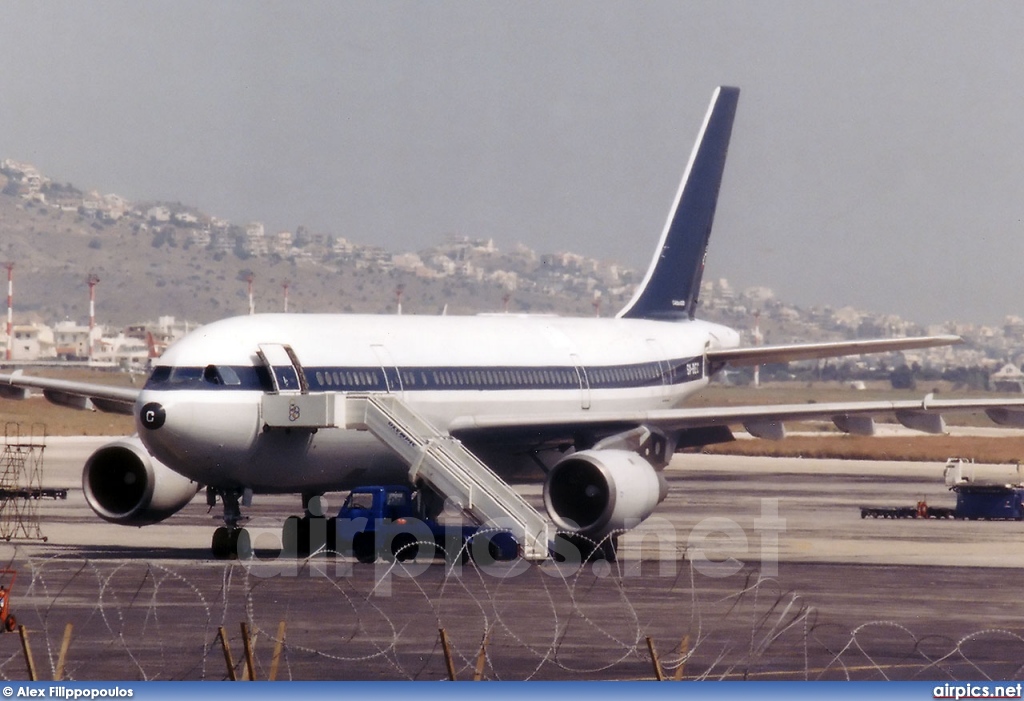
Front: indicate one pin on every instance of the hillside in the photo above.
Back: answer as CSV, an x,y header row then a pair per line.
x,y
146,271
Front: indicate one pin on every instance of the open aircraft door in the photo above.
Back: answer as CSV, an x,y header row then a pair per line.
x,y
664,369
392,376
290,405
285,370
581,373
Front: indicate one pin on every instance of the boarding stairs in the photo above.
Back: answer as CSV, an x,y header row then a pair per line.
x,y
441,461
434,456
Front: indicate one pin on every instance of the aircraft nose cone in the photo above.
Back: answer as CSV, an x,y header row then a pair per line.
x,y
152,416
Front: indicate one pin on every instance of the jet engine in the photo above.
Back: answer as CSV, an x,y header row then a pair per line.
x,y
597,492
125,485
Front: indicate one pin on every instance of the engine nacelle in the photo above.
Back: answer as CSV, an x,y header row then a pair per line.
x,y
596,492
125,485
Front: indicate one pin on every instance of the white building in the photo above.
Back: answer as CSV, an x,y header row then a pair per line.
x,y
32,342
72,341
1008,378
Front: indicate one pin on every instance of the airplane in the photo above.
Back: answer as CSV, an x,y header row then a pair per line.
x,y
462,406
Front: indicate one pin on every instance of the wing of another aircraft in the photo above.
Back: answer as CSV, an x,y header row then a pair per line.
x,y
77,395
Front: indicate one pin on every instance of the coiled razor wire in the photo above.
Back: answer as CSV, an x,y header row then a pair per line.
x,y
159,619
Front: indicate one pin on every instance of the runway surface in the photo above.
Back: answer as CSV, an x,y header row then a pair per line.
x,y
752,568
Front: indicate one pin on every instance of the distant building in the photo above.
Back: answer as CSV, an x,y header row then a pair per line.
x,y
1009,378
406,261
71,341
158,214
200,238
32,342
255,241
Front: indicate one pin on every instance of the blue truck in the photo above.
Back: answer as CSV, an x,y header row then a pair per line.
x,y
387,521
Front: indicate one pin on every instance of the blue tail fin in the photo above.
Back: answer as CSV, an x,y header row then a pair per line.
x,y
672,284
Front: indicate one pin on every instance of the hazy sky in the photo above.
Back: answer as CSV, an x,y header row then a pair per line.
x,y
877,156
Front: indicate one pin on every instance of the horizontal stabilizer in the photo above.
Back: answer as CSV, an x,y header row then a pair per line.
x,y
761,355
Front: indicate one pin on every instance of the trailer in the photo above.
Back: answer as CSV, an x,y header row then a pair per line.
x,y
922,510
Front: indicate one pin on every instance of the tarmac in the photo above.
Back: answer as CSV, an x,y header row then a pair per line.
x,y
752,568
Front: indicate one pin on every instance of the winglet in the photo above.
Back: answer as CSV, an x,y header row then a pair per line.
x,y
672,284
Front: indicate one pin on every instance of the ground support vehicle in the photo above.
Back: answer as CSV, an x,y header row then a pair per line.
x,y
388,521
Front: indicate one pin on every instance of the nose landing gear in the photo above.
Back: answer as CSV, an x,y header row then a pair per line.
x,y
301,536
230,541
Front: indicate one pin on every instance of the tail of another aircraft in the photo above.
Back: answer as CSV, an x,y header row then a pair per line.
x,y
672,284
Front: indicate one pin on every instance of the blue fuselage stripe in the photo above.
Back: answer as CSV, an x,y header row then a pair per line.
x,y
411,379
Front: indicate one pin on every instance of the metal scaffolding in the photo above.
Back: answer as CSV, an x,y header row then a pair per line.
x,y
21,482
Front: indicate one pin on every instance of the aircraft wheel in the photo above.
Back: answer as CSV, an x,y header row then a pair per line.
x,y
364,548
290,537
221,545
240,545
404,547
295,537
332,536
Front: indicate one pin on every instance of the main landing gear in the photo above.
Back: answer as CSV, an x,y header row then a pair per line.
x,y
303,536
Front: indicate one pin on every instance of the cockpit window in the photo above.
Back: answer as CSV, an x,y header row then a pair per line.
x,y
185,376
221,375
217,377
161,374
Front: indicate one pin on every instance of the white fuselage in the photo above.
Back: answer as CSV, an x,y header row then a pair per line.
x,y
210,384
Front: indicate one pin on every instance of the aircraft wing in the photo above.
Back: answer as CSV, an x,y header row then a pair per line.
x,y
77,395
760,355
763,421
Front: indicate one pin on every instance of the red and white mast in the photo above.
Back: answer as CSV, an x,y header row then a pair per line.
x,y
10,309
93,281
